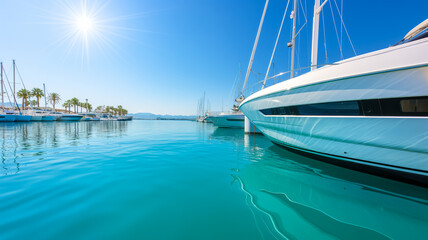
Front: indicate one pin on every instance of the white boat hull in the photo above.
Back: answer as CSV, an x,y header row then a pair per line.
x,y
228,120
385,145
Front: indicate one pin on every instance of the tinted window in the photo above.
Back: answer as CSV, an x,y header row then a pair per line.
x,y
415,106
333,108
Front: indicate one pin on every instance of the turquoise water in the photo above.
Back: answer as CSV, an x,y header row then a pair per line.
x,y
185,180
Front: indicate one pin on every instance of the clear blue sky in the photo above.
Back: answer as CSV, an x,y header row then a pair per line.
x,y
160,56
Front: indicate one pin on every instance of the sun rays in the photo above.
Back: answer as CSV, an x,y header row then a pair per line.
x,y
84,25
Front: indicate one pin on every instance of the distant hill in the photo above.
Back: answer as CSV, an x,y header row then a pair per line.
x,y
9,104
151,116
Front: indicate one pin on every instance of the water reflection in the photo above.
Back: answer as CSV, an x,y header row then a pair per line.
x,y
35,139
307,199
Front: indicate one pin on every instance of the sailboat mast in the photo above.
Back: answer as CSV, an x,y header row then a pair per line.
x,y
239,80
44,93
2,92
293,40
14,84
315,33
254,47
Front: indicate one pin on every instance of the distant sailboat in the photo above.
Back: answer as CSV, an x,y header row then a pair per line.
x,y
233,118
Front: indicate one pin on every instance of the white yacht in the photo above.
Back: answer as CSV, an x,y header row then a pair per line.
x,y
368,113
70,117
232,119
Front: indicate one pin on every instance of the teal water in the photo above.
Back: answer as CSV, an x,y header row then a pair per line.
x,y
185,180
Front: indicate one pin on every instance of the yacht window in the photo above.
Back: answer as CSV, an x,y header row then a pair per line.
x,y
414,105
332,108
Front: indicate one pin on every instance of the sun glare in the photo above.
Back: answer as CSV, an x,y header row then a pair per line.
x,y
84,24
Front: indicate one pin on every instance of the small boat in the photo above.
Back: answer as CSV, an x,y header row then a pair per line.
x,y
124,118
90,117
228,119
70,117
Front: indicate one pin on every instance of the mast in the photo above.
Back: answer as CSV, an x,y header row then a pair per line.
x,y
315,33
14,85
239,80
44,93
254,47
2,92
293,40
273,72
203,105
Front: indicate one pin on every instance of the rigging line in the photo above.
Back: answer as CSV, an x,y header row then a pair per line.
x,y
276,42
335,28
14,97
341,25
5,89
29,96
306,21
344,26
255,46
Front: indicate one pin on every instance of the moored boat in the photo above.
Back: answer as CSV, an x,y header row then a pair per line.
x,y
36,118
7,118
228,119
368,113
22,118
124,118
70,117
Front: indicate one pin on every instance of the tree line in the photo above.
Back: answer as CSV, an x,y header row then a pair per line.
x,y
55,98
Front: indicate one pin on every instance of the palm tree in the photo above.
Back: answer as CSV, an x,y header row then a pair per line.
x,y
24,94
54,98
107,109
88,107
33,102
99,109
120,110
124,112
67,104
38,93
75,102
114,110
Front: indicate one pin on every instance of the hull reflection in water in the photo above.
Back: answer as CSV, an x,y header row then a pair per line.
x,y
306,199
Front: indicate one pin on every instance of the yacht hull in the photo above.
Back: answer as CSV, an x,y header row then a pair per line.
x,y
22,118
228,120
7,118
47,118
384,145
36,118
70,118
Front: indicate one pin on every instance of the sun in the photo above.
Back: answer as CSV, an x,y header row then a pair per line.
x,y
84,24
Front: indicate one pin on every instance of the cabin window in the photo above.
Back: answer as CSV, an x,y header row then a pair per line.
x,y
414,105
332,108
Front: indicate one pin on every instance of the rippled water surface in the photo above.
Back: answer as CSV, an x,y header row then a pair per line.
x,y
185,180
